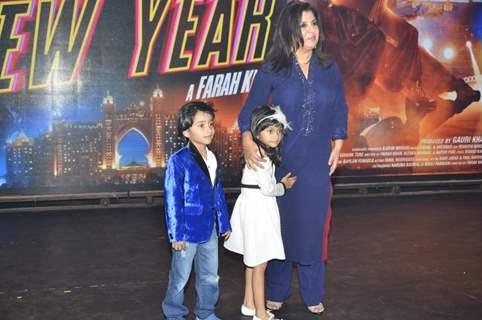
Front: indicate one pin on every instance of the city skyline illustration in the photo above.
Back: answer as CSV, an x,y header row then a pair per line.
x,y
124,145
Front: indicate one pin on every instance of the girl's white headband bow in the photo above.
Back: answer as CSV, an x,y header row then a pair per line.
x,y
279,116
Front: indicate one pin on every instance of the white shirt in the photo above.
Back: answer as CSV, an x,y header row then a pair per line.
x,y
212,165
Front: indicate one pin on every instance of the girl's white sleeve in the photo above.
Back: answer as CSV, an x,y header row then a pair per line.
x,y
267,182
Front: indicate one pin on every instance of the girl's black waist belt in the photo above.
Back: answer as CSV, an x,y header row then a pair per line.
x,y
249,186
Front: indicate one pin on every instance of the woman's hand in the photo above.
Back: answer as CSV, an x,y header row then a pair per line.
x,y
335,155
250,149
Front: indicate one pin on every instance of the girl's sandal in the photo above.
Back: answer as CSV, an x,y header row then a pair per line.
x,y
273,305
271,316
245,311
317,309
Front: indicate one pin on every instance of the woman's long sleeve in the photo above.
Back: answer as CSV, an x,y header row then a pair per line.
x,y
340,109
258,96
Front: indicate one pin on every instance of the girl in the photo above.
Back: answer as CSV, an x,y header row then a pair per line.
x,y
255,220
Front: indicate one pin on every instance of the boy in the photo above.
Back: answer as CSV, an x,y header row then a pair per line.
x,y
196,213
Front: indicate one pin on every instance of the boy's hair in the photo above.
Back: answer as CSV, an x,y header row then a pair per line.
x,y
262,118
185,115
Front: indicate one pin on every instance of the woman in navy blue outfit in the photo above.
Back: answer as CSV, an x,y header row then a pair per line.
x,y
307,85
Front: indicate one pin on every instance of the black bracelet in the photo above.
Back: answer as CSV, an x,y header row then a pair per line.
x,y
284,187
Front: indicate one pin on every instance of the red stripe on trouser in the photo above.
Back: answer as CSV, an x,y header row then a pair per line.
x,y
326,229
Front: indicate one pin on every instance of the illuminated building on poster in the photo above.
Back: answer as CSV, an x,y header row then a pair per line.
x,y
20,156
77,151
234,152
108,112
172,141
44,167
147,121
220,144
227,145
156,154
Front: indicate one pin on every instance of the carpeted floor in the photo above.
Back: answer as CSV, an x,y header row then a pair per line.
x,y
417,257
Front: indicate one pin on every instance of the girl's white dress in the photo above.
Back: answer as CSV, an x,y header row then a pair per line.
x,y
255,222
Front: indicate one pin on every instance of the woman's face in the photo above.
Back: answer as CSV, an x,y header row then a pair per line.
x,y
309,30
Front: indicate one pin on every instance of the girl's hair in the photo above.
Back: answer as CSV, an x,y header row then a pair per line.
x,y
288,38
262,118
185,115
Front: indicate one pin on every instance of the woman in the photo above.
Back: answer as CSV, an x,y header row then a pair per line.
x,y
307,85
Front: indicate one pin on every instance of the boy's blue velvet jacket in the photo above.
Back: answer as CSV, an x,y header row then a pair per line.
x,y
191,202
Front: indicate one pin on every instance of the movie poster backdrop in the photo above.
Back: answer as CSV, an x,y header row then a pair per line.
x,y
89,88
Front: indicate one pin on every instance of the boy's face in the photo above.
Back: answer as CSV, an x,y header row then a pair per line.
x,y
201,132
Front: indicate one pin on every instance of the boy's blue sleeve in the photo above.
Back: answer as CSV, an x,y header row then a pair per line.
x,y
222,210
174,200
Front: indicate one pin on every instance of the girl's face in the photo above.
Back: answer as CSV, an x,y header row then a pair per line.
x,y
309,30
271,136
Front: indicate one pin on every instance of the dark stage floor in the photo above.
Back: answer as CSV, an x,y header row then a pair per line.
x,y
416,257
